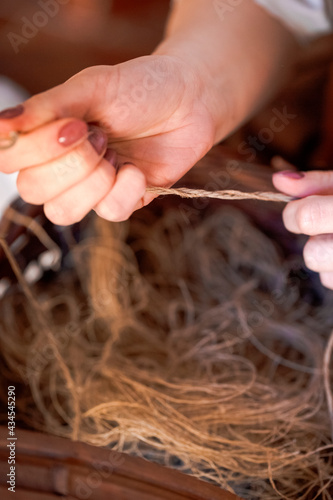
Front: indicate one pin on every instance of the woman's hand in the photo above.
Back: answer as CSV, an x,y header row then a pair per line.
x,y
159,113
311,215
147,117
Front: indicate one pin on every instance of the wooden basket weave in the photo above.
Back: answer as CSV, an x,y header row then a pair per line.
x,y
49,468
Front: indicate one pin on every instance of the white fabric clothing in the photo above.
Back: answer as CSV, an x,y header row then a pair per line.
x,y
304,17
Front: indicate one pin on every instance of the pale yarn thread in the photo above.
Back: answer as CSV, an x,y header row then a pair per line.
x,y
228,194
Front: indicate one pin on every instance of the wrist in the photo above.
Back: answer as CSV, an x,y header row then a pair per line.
x,y
239,60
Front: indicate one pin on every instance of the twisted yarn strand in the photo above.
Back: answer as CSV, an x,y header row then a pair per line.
x,y
228,194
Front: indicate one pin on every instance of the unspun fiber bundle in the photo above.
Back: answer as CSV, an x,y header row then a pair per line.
x,y
193,345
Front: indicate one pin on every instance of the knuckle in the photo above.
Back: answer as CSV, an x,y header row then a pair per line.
x,y
102,182
112,211
117,210
309,216
57,214
68,167
318,253
137,177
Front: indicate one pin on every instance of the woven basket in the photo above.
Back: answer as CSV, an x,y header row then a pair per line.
x,y
49,468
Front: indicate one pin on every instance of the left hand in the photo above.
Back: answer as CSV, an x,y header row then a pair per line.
x,y
153,111
311,215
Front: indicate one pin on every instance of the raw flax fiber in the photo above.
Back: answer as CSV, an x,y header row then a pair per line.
x,y
188,344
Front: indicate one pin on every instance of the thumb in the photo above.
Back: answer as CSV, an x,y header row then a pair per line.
x,y
301,184
74,98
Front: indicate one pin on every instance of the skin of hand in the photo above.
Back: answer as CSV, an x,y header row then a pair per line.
x,y
153,117
312,215
150,111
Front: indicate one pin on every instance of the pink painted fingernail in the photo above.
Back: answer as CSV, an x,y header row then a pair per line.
x,y
111,157
8,114
291,174
98,139
72,132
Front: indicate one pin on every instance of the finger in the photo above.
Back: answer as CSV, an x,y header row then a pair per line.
x,y
40,184
302,184
129,189
74,98
312,215
318,253
145,200
44,144
326,279
74,204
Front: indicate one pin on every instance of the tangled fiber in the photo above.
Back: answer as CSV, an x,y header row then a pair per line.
x,y
192,345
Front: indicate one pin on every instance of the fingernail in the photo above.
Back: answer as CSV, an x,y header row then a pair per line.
x,y
98,139
111,157
291,174
72,132
10,113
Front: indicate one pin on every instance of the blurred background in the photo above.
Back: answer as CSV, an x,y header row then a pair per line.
x,y
44,42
